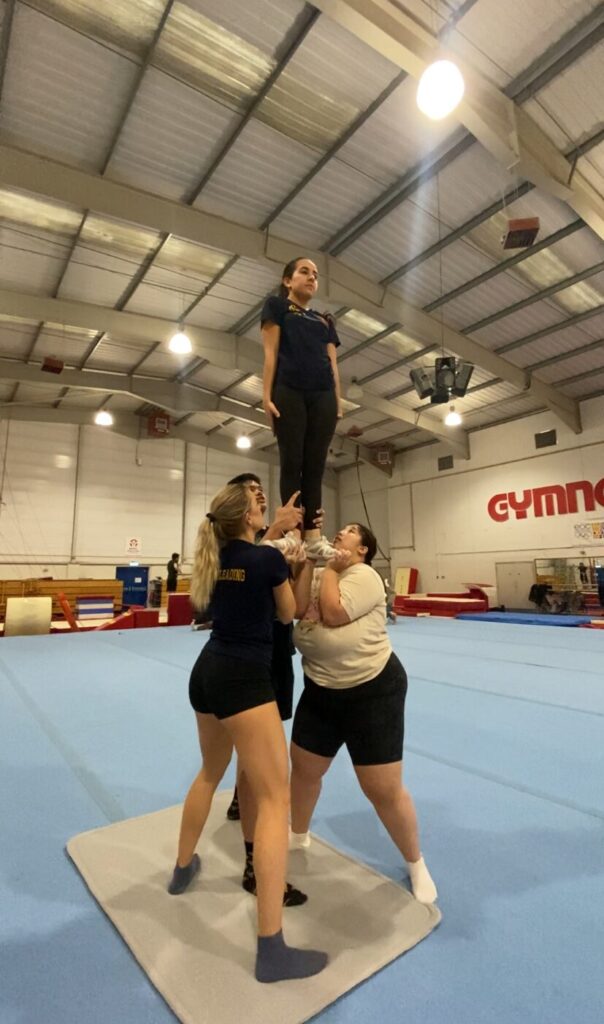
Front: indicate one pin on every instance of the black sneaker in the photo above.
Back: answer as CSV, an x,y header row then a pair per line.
x,y
233,809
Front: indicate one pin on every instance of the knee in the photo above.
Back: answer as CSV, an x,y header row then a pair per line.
x,y
304,774
381,794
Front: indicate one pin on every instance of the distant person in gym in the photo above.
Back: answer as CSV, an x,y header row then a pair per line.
x,y
173,570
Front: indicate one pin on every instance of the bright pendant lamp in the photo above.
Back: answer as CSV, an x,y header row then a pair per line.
x,y
440,89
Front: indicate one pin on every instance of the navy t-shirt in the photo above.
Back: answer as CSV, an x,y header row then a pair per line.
x,y
243,606
303,362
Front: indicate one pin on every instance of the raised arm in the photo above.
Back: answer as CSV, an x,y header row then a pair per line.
x,y
271,335
302,587
285,602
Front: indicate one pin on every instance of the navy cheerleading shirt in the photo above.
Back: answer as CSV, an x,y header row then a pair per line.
x,y
242,605
303,362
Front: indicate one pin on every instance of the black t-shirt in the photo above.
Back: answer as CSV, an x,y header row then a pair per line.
x,y
303,362
243,606
172,569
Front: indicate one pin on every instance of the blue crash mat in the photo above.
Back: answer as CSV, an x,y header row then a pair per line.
x,y
526,619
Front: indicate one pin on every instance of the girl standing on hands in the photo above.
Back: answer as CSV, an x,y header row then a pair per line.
x,y
301,390
234,703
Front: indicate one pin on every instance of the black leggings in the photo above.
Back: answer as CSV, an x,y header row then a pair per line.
x,y
304,431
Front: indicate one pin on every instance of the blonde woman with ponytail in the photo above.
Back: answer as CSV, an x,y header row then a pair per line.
x,y
231,693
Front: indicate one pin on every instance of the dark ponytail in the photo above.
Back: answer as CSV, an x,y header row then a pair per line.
x,y
368,541
288,271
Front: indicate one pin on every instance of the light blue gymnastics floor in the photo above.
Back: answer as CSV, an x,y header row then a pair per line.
x,y
504,756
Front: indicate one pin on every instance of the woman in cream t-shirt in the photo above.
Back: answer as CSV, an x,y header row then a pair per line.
x,y
354,694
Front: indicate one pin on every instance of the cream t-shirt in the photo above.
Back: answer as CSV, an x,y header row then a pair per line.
x,y
340,657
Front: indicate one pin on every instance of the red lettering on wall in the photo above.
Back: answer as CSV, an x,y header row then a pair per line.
x,y
521,507
549,493
588,495
498,508
553,500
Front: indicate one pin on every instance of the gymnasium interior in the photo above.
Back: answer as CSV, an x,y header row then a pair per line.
x,y
442,163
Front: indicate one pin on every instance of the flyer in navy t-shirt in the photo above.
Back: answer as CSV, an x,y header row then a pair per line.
x,y
243,606
303,361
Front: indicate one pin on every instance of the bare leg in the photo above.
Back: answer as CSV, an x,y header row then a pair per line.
x,y
307,772
247,807
382,785
216,749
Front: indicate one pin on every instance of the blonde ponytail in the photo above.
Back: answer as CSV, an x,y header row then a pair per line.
x,y
224,522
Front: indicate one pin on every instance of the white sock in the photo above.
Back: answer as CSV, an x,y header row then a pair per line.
x,y
422,886
299,840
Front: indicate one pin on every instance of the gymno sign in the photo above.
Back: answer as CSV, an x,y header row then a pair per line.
x,y
553,500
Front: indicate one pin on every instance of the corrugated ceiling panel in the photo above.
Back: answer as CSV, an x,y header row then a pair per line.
x,y
592,361
262,24
215,378
407,231
574,98
160,301
585,387
582,296
115,354
169,137
39,394
188,258
102,284
262,167
30,264
163,363
68,344
468,185
518,325
514,34
502,411
321,91
553,215
118,238
461,262
491,297
206,420
396,137
129,24
248,391
23,208
551,345
328,202
594,326
241,288
212,59
16,339
592,166
63,94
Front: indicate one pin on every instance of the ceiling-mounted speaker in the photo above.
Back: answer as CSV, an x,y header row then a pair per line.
x,y
51,364
521,233
422,382
463,372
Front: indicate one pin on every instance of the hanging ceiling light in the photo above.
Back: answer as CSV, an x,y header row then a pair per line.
x,y
440,89
452,419
103,418
354,391
243,441
180,343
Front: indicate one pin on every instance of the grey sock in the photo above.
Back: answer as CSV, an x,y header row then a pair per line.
x,y
277,962
182,877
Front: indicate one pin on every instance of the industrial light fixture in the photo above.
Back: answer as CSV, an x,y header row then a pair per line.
x,y
103,418
440,89
354,391
180,343
450,376
452,419
243,441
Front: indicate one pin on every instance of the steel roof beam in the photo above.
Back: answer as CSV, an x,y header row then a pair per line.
x,y
342,285
220,348
492,116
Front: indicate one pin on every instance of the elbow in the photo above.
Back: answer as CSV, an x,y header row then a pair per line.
x,y
331,616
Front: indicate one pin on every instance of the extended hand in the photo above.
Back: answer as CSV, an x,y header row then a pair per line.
x,y
297,556
318,520
289,516
340,561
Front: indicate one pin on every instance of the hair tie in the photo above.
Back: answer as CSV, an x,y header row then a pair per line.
x,y
211,517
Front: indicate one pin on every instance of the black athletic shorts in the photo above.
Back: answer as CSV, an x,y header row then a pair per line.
x,y
282,669
225,686
369,719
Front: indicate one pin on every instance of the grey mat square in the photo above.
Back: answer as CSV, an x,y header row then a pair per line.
x,y
198,949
